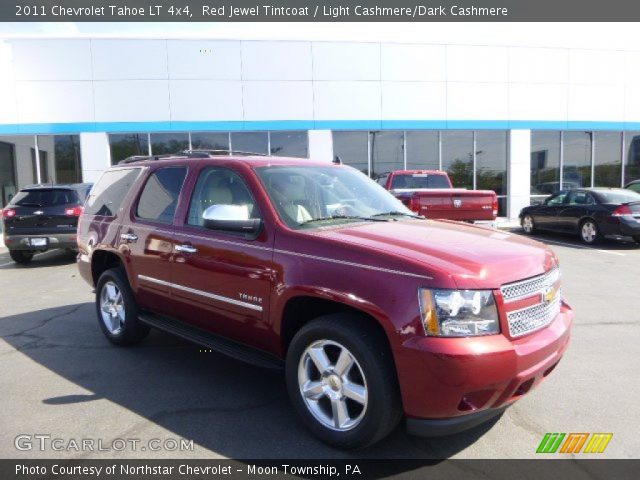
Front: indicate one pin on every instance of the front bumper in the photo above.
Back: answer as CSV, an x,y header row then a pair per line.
x,y
444,380
54,240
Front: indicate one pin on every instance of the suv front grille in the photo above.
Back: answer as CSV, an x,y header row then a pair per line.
x,y
534,317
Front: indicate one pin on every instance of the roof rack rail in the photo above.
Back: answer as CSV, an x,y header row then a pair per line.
x,y
188,153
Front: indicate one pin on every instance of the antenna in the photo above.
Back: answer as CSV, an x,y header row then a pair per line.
x,y
337,160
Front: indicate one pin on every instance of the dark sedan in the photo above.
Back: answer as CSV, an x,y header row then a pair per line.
x,y
592,213
43,217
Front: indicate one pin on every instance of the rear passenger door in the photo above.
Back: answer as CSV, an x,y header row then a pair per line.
x,y
147,237
221,279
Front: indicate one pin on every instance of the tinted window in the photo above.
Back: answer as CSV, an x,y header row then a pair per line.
x,y
163,143
45,198
159,198
457,157
607,159
210,140
107,195
620,196
635,187
250,142
577,159
581,198
545,162
558,199
127,145
219,186
353,149
387,152
423,150
420,180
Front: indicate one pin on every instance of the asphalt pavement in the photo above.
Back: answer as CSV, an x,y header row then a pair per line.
x,y
62,383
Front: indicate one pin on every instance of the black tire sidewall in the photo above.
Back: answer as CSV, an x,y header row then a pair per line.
x,y
20,256
383,405
133,330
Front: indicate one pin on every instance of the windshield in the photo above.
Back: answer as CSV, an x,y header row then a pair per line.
x,y
308,197
419,180
620,196
45,198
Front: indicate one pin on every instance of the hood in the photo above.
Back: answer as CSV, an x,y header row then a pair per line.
x,y
472,256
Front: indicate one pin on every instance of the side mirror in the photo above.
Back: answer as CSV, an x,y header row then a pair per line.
x,y
231,218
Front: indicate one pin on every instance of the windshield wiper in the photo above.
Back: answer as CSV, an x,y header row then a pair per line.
x,y
396,213
340,217
29,204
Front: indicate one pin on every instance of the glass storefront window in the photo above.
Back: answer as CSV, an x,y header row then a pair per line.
x,y
632,156
423,150
353,149
210,141
163,143
545,162
491,161
68,163
127,145
457,157
607,161
387,152
576,169
250,142
289,144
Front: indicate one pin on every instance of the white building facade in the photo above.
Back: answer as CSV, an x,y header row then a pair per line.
x,y
523,121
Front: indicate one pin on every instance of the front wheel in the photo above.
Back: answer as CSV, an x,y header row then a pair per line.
x,y
342,382
528,225
117,309
589,232
20,256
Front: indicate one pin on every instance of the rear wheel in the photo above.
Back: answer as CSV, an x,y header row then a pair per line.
x,y
20,256
589,232
528,225
342,381
117,309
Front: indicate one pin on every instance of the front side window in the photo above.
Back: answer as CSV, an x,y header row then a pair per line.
x,y
313,196
219,186
159,198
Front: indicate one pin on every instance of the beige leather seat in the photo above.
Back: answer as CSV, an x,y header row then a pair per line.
x,y
291,198
213,192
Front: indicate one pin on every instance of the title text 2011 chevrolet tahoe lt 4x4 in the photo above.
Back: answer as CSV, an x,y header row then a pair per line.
x,y
376,314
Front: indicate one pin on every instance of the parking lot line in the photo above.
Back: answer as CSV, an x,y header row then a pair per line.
x,y
584,247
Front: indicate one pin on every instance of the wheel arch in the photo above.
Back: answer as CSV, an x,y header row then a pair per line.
x,y
102,260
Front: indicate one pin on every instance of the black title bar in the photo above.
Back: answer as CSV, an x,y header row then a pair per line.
x,y
318,11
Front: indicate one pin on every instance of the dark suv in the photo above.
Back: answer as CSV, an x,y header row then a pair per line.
x,y
375,313
43,217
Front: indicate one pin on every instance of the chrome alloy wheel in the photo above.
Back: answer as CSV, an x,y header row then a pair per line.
x,y
332,385
527,224
112,307
589,232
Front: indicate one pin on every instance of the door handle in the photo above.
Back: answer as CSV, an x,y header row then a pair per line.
x,y
185,249
128,237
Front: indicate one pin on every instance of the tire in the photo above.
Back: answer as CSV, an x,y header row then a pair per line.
x,y
637,238
371,379
528,225
117,309
20,256
589,232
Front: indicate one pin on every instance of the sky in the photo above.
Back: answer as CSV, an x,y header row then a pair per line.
x,y
621,36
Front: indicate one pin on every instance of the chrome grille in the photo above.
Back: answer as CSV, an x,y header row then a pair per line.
x,y
532,318
526,288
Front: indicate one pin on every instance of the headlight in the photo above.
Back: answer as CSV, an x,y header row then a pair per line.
x,y
458,313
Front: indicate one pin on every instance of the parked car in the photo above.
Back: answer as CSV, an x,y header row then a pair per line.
x,y
592,213
375,313
42,217
634,186
430,193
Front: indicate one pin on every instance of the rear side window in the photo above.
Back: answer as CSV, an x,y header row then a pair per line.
x,y
45,198
107,195
159,198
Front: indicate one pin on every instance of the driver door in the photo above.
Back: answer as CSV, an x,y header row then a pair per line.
x,y
547,215
222,280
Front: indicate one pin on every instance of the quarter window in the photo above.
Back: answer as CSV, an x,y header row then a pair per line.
x,y
159,198
108,194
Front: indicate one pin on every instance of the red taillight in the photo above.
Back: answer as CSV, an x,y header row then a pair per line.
x,y
495,206
8,213
73,212
621,211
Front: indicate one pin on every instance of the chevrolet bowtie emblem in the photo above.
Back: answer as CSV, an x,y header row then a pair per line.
x,y
549,295
38,212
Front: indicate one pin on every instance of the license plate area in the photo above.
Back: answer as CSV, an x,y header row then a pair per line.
x,y
38,242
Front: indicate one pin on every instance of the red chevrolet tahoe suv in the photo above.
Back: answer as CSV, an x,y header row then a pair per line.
x,y
375,313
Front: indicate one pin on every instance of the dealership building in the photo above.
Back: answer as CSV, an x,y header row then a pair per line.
x,y
522,121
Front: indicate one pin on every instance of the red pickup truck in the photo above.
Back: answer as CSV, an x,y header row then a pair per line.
x,y
376,314
430,193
